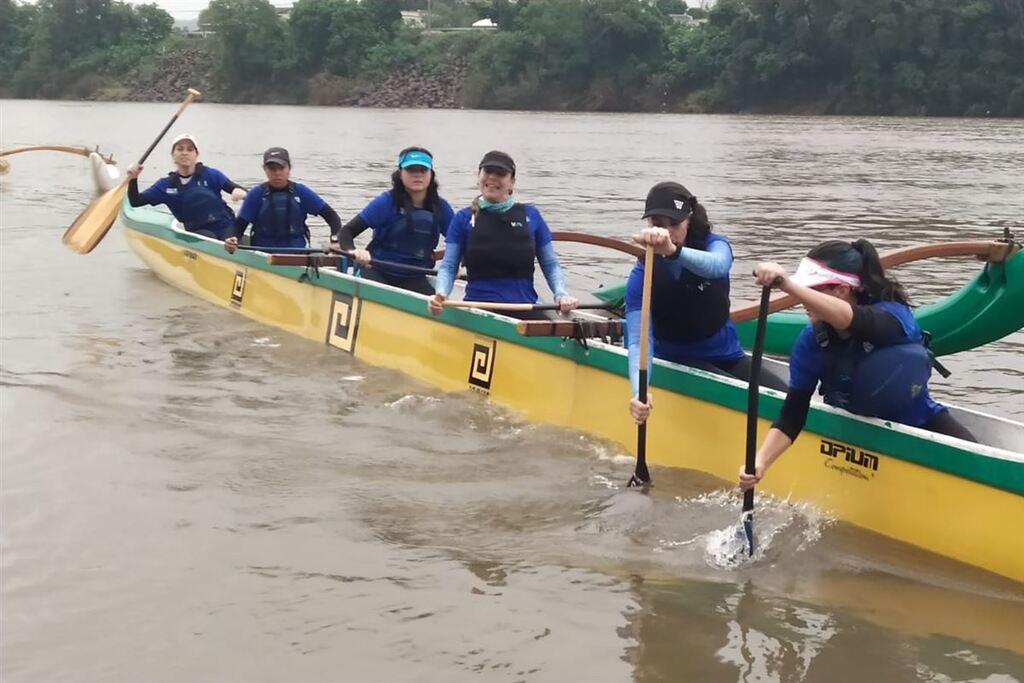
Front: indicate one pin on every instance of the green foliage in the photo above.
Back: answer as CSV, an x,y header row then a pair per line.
x,y
44,48
253,46
933,57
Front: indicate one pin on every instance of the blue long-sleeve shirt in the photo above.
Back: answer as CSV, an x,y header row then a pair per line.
x,y
504,290
712,263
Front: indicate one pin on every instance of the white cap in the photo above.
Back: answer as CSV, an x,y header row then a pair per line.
x,y
185,136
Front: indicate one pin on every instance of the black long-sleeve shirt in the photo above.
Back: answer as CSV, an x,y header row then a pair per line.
x,y
347,234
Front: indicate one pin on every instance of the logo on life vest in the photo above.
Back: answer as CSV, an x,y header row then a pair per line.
x,y
238,288
481,365
343,321
849,460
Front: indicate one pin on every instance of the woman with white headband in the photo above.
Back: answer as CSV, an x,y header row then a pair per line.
x,y
863,345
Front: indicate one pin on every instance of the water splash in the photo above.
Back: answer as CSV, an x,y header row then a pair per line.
x,y
796,526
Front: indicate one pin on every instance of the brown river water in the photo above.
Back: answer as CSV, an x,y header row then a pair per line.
x,y
191,496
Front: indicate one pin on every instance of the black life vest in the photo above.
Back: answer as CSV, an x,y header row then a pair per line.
x,y
688,309
201,205
500,246
281,216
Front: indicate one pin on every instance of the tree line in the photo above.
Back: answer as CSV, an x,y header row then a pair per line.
x,y
916,57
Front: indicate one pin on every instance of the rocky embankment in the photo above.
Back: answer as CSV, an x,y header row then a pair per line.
x,y
412,87
172,75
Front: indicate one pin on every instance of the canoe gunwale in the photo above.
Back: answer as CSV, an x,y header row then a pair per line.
x,y
992,466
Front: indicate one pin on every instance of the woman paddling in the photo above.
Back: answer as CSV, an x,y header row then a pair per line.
x,y
862,344
278,208
406,221
499,239
689,294
191,191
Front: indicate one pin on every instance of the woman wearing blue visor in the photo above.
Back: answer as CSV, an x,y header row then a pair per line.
x,y
407,222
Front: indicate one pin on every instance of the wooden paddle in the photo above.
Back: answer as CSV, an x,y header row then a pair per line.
x,y
93,223
641,476
753,394
493,306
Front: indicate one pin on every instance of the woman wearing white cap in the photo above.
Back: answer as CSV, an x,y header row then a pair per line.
x,y
192,191
862,344
407,221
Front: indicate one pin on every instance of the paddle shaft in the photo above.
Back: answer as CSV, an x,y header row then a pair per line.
x,y
753,394
336,254
495,306
641,475
192,94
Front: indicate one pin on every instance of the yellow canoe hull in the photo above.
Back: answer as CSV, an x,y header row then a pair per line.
x,y
933,492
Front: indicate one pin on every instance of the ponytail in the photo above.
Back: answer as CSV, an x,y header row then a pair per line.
x,y
875,284
699,228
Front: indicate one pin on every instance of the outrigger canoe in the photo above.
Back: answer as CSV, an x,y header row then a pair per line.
x,y
954,498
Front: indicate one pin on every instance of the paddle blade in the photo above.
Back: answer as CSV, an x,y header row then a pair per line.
x,y
635,482
748,531
5,166
93,223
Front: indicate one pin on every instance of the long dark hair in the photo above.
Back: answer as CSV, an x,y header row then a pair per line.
x,y
699,228
861,258
400,196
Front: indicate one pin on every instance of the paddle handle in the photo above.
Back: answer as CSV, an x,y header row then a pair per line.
x,y
192,95
754,393
496,306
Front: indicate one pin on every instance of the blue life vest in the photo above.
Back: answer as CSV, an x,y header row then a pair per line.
x,y
410,238
882,382
202,207
281,216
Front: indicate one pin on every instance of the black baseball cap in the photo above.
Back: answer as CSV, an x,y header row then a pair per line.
x,y
670,200
496,159
277,155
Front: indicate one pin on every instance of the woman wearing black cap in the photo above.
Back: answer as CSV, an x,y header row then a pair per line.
x,y
689,294
278,208
499,239
406,221
862,344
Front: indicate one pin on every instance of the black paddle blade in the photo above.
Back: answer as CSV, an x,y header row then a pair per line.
x,y
748,531
638,482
